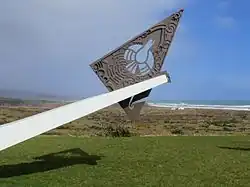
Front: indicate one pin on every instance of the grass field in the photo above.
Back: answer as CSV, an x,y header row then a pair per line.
x,y
132,161
94,158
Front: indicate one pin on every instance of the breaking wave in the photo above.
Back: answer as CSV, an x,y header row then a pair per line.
x,y
176,106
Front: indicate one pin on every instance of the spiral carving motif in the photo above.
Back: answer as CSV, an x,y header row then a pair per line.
x,y
114,70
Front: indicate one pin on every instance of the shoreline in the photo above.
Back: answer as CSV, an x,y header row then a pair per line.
x,y
204,107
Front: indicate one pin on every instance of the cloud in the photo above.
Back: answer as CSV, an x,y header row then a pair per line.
x,y
226,21
223,5
47,45
223,19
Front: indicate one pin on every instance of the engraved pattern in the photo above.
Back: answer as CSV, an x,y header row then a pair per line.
x,y
113,70
137,64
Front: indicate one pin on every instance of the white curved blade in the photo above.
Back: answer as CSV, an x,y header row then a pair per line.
x,y
24,129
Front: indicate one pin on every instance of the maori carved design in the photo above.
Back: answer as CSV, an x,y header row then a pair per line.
x,y
138,59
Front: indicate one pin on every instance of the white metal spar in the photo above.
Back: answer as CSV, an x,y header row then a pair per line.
x,y
18,131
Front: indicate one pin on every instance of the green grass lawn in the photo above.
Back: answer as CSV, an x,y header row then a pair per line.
x,y
136,161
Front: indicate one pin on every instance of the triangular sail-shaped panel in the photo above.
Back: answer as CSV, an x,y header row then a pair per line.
x,y
137,60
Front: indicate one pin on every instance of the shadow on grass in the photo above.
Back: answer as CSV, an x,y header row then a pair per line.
x,y
49,162
237,145
235,148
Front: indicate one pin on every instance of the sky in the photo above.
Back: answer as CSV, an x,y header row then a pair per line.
x,y
46,46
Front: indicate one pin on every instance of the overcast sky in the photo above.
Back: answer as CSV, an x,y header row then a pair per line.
x,y
47,45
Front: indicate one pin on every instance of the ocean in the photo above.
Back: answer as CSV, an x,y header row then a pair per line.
x,y
203,104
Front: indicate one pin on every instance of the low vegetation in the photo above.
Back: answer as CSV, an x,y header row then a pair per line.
x,y
154,121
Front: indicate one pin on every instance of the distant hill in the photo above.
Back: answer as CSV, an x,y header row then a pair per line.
x,y
29,95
